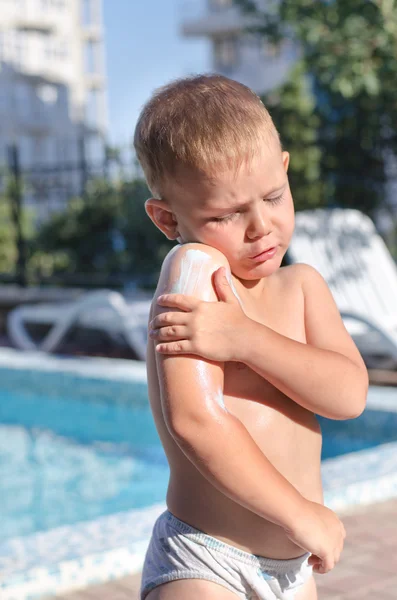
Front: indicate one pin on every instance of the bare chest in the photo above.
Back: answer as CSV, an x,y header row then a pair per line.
x,y
284,313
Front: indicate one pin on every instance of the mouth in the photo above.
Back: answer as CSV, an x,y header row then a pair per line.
x,y
264,255
263,252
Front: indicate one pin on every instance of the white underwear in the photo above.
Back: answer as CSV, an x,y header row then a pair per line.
x,y
179,551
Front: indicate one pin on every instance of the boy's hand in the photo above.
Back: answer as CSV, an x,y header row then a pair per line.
x,y
212,330
322,533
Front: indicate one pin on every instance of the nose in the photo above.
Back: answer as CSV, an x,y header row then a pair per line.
x,y
259,224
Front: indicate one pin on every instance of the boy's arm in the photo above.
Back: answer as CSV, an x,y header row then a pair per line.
x,y
327,375
215,441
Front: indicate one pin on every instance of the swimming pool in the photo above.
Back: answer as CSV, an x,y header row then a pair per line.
x,y
73,448
83,474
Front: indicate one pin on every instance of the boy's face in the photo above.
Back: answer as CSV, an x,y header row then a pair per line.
x,y
241,215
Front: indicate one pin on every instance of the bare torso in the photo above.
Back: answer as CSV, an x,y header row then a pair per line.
x,y
288,435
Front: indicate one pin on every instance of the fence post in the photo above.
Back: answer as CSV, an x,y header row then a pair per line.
x,y
83,164
15,194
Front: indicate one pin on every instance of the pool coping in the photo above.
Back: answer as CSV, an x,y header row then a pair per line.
x,y
67,558
103,368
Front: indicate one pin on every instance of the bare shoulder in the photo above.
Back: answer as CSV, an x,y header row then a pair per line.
x,y
194,253
294,276
298,272
188,269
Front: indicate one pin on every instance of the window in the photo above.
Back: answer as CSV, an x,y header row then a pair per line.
x,y
47,4
92,108
55,49
87,16
62,150
19,40
94,149
41,150
3,99
90,53
25,148
23,99
226,53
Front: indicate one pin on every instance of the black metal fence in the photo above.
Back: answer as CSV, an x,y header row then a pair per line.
x,y
49,187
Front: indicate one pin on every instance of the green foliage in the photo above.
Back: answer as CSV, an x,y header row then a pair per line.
x,y
8,250
107,232
8,231
292,109
348,53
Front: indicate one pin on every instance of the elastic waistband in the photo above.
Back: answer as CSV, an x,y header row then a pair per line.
x,y
280,566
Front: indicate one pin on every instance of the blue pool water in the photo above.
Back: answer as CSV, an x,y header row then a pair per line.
x,y
73,448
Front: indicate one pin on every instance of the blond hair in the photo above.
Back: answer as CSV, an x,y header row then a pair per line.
x,y
205,123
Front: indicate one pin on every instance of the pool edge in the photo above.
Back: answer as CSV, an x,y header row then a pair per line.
x,y
79,572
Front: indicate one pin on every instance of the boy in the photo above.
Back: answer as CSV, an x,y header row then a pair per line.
x,y
235,374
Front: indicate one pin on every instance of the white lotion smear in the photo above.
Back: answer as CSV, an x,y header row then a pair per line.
x,y
205,385
195,276
231,283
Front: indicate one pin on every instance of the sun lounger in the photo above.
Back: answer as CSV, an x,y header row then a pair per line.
x,y
344,246
103,309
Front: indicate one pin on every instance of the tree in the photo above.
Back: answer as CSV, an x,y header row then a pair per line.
x,y
348,56
292,109
8,227
105,233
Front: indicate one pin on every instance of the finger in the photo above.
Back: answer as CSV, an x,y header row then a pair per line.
x,y
327,564
168,318
319,569
181,347
222,286
165,334
181,301
314,560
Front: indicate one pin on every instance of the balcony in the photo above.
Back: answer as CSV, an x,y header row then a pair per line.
x,y
35,16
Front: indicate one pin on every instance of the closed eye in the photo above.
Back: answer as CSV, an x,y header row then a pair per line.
x,y
224,219
230,217
275,200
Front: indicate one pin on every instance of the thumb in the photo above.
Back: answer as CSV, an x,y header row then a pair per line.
x,y
222,286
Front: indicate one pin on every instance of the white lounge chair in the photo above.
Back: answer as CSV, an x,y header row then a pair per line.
x,y
103,309
344,246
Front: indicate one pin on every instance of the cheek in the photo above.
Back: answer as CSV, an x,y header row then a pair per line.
x,y
220,238
286,220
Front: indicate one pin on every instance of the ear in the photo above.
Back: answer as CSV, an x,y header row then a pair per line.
x,y
162,216
285,156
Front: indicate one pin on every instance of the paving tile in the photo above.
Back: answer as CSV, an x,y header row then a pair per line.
x,y
389,593
352,579
107,592
131,582
381,562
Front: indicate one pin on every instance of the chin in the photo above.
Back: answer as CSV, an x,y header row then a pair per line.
x,y
258,271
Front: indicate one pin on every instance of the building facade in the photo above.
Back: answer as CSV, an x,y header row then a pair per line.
x,y
52,82
235,53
